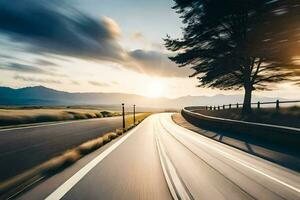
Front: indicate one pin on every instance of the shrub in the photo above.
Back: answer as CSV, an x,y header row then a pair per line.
x,y
106,114
99,115
119,131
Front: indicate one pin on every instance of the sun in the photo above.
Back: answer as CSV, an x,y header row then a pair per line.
x,y
155,89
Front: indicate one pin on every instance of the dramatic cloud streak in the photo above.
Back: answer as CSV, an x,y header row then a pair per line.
x,y
23,68
36,80
99,84
46,27
155,63
17,67
42,62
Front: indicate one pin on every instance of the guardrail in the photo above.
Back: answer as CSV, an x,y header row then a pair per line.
x,y
281,135
258,104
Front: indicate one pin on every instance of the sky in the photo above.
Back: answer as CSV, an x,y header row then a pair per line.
x,y
98,46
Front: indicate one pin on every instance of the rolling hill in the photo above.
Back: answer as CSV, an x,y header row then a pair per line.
x,y
42,96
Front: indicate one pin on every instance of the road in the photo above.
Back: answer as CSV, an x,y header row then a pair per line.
x,y
161,160
25,147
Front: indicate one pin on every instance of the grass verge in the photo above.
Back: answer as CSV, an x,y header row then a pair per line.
x,y
19,183
9,117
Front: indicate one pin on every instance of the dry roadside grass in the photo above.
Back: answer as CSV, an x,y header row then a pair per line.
x,y
56,164
139,117
26,116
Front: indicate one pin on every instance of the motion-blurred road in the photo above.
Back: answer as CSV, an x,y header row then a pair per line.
x,y
161,160
25,147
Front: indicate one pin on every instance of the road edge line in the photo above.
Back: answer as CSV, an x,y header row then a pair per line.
x,y
59,192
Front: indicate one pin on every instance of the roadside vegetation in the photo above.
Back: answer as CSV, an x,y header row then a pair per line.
x,y
286,116
26,116
56,164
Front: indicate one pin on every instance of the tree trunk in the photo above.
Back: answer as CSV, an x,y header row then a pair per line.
x,y
247,100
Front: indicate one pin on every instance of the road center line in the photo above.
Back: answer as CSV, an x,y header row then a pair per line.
x,y
176,186
69,184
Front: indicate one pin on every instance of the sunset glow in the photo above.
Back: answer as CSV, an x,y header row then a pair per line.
x,y
155,89
120,56
139,99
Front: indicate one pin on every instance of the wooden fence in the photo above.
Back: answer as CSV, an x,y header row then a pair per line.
x,y
257,105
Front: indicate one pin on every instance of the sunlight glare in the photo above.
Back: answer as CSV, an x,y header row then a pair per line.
x,y
155,89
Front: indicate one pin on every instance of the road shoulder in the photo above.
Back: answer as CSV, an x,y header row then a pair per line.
x,y
44,187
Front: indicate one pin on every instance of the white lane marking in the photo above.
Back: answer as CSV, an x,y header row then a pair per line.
x,y
175,185
168,179
233,158
65,187
57,123
13,196
48,124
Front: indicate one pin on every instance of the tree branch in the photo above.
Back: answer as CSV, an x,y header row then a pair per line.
x,y
256,71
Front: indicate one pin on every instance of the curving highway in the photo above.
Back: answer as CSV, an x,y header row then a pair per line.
x,y
161,160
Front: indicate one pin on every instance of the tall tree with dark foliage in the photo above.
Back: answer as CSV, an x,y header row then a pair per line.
x,y
234,44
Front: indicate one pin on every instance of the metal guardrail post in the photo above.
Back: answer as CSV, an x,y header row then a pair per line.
x,y
134,114
258,104
277,104
123,115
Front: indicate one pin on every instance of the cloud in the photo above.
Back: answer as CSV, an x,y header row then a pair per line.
x,y
17,67
100,84
137,36
155,63
36,80
54,28
46,27
142,39
23,68
75,82
43,62
6,56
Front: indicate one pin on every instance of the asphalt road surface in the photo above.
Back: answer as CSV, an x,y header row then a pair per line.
x,y
161,160
25,147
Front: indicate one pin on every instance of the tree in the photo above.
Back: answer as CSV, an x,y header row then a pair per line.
x,y
234,44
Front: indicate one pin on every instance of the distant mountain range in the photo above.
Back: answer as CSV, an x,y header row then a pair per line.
x,y
42,96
